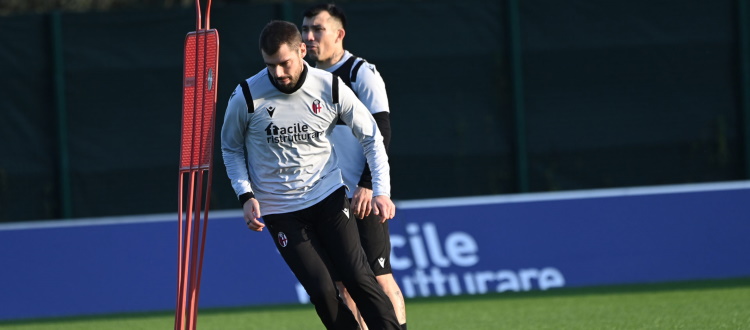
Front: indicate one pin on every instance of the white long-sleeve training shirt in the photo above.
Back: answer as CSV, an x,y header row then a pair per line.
x,y
370,89
280,150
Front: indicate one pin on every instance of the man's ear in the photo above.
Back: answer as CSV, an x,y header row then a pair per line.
x,y
302,50
340,34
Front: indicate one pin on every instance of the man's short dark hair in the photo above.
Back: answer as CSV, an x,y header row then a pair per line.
x,y
277,33
333,10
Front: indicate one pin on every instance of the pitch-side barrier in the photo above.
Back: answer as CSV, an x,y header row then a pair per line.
x,y
508,243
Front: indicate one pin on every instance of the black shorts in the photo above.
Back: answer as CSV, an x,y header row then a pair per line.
x,y
376,241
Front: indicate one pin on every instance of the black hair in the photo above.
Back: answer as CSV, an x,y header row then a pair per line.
x,y
277,33
332,9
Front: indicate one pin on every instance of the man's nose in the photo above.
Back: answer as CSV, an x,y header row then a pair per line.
x,y
278,71
308,35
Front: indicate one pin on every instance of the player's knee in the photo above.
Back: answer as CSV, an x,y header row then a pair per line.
x,y
320,291
388,283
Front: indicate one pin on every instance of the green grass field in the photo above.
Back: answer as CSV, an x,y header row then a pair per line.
x,y
721,304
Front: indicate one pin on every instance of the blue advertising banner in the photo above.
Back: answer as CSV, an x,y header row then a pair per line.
x,y
542,244
440,247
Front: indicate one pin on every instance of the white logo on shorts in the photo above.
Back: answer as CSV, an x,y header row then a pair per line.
x,y
381,261
282,239
346,211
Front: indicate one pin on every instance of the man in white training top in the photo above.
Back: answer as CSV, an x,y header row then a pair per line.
x,y
276,149
323,31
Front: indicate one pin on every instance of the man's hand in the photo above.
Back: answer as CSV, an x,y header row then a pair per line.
x,y
361,202
251,212
383,207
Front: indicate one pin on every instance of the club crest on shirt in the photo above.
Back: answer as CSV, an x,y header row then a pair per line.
x,y
282,239
316,106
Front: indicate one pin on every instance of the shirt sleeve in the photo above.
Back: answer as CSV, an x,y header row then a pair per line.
x,y
384,125
233,143
370,89
356,115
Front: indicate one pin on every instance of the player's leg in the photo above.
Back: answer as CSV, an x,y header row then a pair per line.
x,y
347,298
298,246
344,294
341,239
393,291
376,242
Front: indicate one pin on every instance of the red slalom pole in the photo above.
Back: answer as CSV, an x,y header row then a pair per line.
x,y
200,78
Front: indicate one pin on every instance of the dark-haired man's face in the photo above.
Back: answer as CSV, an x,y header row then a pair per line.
x,y
285,66
323,36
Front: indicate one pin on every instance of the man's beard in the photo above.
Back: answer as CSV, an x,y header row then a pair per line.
x,y
286,88
312,56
